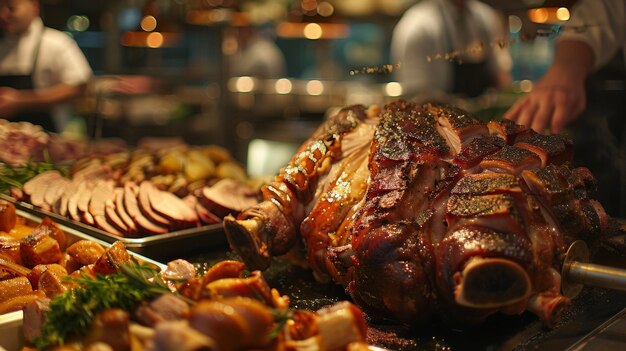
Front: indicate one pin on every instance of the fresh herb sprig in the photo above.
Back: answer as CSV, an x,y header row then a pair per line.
x,y
71,313
15,176
281,317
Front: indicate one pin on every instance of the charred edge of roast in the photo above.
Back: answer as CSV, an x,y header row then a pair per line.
x,y
491,283
407,125
508,130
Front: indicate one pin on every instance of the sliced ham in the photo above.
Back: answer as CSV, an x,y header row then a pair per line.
x,y
54,191
143,199
204,215
37,191
72,202
103,223
31,186
171,207
84,197
118,195
60,206
144,225
228,196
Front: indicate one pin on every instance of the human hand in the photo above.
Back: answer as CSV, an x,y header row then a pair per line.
x,y
556,100
9,102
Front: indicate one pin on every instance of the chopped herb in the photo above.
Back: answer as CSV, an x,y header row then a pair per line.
x,y
280,318
72,312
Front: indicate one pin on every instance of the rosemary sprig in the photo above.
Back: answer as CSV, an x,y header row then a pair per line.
x,y
281,317
71,313
16,176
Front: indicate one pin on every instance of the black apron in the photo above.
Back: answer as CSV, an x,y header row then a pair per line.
x,y
469,79
25,82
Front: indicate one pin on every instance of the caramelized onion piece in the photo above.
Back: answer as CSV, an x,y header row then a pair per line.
x,y
14,268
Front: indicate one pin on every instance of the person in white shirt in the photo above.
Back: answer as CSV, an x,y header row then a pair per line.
x,y
40,68
597,32
451,47
259,55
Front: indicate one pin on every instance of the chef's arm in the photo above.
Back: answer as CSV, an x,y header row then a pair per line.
x,y
14,101
559,97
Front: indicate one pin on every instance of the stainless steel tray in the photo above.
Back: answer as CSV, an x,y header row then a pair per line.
x,y
162,247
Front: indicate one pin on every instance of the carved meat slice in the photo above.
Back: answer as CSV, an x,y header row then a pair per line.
x,y
511,159
54,190
39,186
551,149
227,196
171,207
204,215
65,193
101,192
507,130
143,199
458,127
120,208
72,202
144,225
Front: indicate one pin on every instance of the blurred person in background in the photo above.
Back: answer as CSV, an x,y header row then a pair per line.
x,y
259,56
582,94
40,68
470,32
598,31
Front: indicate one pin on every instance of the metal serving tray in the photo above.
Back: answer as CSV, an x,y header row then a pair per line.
x,y
162,247
11,335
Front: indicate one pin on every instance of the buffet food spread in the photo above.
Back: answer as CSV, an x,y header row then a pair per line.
x,y
422,213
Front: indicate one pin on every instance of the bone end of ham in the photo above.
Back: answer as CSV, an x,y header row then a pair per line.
x,y
243,235
491,283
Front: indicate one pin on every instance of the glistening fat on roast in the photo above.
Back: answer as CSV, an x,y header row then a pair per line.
x,y
423,213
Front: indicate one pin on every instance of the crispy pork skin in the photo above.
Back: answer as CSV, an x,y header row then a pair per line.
x,y
423,213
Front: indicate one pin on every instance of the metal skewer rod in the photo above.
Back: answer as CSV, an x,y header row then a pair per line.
x,y
597,275
577,272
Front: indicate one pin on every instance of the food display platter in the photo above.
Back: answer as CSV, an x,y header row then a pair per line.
x,y
11,335
590,321
162,247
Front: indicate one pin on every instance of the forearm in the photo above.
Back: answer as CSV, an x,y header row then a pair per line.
x,y
573,60
44,98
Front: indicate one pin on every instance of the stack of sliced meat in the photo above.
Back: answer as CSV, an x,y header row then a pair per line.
x,y
131,209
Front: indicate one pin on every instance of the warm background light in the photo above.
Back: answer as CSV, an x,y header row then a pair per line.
x,y
562,14
244,84
154,40
312,31
538,15
283,86
393,89
148,23
314,87
548,15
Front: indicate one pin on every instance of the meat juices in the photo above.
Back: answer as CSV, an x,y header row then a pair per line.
x,y
425,213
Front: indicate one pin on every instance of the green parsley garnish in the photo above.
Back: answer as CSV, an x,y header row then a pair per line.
x,y
72,312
